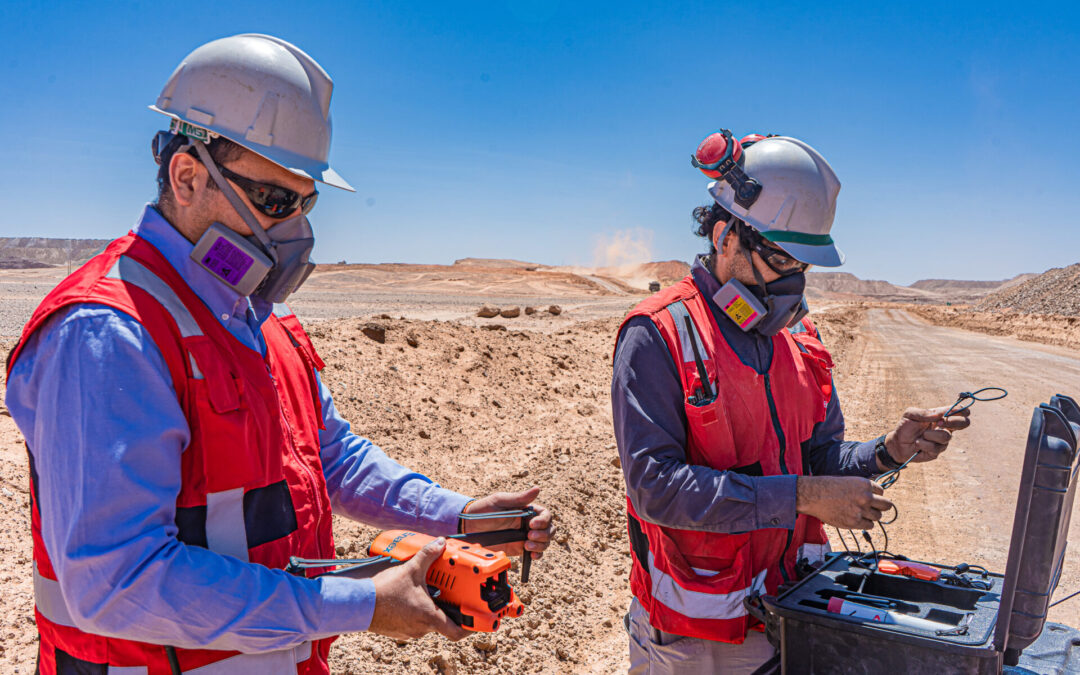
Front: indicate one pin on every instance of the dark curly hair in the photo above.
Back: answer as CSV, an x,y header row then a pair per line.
x,y
707,218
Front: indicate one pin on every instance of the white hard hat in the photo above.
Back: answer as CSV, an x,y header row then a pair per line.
x,y
260,92
797,201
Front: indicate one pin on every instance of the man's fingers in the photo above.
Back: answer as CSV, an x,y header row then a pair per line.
x,y
924,414
928,450
939,436
514,499
878,490
425,557
957,420
542,521
880,503
442,623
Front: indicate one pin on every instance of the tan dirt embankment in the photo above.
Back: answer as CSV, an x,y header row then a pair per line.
x,y
1049,329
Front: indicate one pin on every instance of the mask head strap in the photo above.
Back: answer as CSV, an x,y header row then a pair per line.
x,y
234,198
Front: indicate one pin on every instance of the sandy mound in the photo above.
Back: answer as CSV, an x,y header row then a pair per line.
x,y
1055,291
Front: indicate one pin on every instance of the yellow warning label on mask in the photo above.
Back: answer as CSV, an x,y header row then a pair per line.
x,y
740,311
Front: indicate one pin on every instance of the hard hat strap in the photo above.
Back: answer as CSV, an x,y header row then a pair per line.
x,y
235,199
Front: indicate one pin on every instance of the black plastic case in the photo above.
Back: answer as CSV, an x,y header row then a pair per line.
x,y
1001,621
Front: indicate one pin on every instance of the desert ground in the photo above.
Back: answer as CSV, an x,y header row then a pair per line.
x,y
485,404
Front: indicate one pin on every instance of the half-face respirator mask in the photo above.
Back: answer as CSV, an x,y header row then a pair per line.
x,y
270,263
769,307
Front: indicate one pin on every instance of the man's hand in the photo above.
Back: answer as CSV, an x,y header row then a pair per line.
x,y
925,432
540,529
848,502
403,608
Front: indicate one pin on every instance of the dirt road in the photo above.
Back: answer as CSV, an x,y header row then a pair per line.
x,y
960,508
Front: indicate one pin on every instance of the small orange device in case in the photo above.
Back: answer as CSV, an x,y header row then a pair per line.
x,y
909,569
468,582
471,580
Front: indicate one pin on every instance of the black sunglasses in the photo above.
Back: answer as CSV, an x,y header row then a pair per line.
x,y
272,200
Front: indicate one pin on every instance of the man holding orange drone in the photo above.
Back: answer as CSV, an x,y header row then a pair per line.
x,y
182,445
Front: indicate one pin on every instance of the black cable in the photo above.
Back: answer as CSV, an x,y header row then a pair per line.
x,y
1058,602
889,478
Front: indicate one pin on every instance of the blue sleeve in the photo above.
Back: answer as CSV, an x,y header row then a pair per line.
x,y
93,397
368,486
830,454
650,430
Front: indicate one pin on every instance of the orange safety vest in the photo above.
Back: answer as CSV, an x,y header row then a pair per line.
x,y
693,582
252,485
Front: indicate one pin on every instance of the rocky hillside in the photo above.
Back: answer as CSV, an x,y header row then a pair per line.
x,y
28,252
965,288
1055,291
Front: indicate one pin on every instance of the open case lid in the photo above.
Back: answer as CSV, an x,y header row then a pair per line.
x,y
1041,525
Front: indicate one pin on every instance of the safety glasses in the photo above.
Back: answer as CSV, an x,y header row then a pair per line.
x,y
272,200
777,259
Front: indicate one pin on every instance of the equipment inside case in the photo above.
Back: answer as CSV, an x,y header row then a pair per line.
x,y
877,613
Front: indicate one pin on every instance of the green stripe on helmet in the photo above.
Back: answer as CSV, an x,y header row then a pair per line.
x,y
784,236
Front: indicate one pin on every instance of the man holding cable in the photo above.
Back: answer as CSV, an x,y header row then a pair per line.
x,y
728,425
182,445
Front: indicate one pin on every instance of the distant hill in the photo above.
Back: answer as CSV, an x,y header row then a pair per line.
x,y
29,252
946,286
845,282
666,272
1055,291
498,262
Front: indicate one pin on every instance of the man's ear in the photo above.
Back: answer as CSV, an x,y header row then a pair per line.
x,y
186,178
730,239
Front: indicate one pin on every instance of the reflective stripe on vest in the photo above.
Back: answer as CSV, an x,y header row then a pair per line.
x,y
281,310
814,553
132,272
50,601
699,605
225,531
681,314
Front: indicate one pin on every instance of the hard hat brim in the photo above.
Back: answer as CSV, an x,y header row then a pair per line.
x,y
827,255
295,163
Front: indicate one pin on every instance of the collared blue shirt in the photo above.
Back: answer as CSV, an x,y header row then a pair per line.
x,y
650,430
94,399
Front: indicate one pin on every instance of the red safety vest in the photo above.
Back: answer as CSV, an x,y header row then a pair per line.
x,y
693,582
251,479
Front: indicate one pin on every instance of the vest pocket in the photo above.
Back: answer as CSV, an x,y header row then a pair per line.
x,y
228,449
709,561
709,433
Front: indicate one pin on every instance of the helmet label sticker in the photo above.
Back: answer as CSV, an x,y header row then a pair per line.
x,y
190,130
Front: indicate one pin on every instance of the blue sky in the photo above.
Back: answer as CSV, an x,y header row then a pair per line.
x,y
540,130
